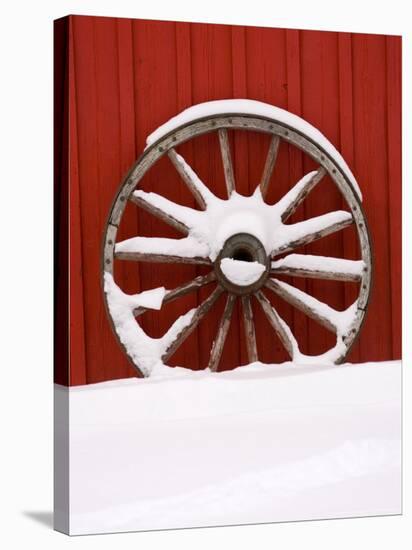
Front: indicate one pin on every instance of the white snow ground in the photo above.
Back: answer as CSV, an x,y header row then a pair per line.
x,y
258,444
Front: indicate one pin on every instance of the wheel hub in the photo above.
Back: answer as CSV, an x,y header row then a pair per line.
x,y
242,249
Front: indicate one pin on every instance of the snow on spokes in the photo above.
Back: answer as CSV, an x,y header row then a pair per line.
x,y
339,322
319,267
144,350
206,231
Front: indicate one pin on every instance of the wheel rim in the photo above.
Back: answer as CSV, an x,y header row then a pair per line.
x,y
346,325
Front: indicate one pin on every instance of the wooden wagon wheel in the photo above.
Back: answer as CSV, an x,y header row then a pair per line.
x,y
243,255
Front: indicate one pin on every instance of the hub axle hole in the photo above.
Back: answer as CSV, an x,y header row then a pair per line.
x,y
243,255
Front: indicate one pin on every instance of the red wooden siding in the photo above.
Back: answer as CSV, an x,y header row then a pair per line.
x,y
126,77
60,176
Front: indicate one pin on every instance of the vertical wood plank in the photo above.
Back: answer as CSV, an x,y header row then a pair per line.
x,y
108,158
294,105
212,78
78,374
162,80
267,81
183,66
239,76
60,201
89,181
183,101
320,107
350,247
371,167
394,139
244,186
127,275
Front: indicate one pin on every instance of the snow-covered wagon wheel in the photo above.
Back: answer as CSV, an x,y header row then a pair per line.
x,y
245,241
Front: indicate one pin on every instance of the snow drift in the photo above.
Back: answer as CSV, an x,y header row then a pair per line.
x,y
257,444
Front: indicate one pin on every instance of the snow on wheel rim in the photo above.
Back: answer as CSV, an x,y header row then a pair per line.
x,y
208,234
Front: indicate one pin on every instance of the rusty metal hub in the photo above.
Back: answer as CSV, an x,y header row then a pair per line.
x,y
242,247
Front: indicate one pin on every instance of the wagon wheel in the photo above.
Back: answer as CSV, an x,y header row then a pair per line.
x,y
243,259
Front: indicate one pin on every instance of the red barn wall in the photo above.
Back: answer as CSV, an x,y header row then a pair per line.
x,y
123,78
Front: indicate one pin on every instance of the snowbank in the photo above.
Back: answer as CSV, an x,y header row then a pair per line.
x,y
260,443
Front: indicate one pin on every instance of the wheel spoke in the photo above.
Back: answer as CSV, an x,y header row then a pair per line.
x,y
160,258
182,290
288,204
280,327
313,229
319,267
317,310
162,249
249,329
199,313
227,161
198,189
269,164
178,216
219,342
